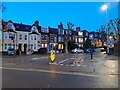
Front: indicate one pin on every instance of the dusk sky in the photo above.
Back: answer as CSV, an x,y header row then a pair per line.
x,y
87,15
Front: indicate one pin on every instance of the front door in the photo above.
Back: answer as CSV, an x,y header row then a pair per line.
x,y
20,47
25,48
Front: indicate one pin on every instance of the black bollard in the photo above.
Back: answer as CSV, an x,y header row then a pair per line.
x,y
91,55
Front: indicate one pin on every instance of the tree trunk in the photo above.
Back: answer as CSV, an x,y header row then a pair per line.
x,y
66,46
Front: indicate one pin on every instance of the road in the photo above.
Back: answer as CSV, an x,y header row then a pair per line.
x,y
69,71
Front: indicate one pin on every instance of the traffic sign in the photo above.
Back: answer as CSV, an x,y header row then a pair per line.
x,y
52,55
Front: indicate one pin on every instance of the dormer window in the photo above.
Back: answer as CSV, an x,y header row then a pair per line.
x,y
10,26
26,27
34,29
17,26
58,31
80,33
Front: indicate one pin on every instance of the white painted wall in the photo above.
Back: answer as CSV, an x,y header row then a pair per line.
x,y
7,40
33,42
22,41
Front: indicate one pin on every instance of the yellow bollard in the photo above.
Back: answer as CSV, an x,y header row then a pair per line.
x,y
52,55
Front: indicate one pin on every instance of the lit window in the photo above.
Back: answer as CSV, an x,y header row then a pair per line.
x,y
62,46
59,46
80,33
42,45
45,45
76,40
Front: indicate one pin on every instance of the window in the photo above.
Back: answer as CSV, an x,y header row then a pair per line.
x,y
59,39
20,36
63,32
86,34
51,38
6,36
44,37
45,29
45,45
34,46
25,37
70,32
34,29
31,46
5,46
10,26
91,36
80,39
80,33
58,31
55,39
75,39
66,32
42,45
96,35
31,37
17,27
35,37
10,45
62,39
59,46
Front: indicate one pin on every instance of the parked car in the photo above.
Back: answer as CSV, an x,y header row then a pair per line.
x,y
77,50
11,51
102,49
88,50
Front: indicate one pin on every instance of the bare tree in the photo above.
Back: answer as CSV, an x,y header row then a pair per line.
x,y
114,28
69,28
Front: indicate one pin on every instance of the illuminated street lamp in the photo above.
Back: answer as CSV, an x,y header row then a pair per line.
x,y
105,8
110,37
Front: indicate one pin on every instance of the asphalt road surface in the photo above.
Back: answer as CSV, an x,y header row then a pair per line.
x,y
68,71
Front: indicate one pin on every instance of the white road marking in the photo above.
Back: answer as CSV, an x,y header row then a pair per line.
x,y
40,58
63,60
35,58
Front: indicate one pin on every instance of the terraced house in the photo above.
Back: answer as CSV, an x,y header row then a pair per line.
x,y
20,37
31,38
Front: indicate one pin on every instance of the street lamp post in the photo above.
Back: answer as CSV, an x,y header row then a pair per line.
x,y
105,8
